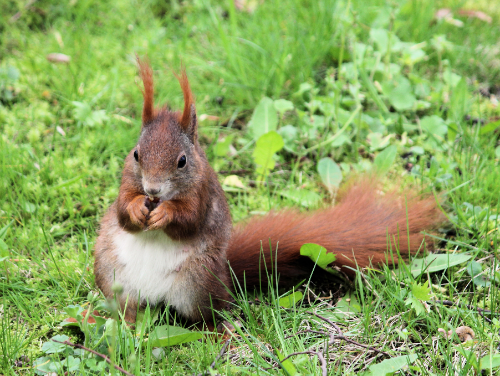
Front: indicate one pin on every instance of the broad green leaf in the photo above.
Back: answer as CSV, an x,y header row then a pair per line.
x,y
142,323
44,366
4,250
434,125
381,39
81,111
287,364
12,73
303,88
417,150
267,145
319,255
421,292
72,363
361,48
99,321
290,300
436,263
377,141
452,131
471,358
302,197
489,361
374,124
85,116
497,152
96,365
340,140
282,105
288,132
400,93
74,311
222,147
413,55
51,347
29,207
314,121
389,366
416,305
158,353
490,127
475,269
290,136
111,328
451,78
264,118
3,230
385,159
459,103
97,118
330,173
166,335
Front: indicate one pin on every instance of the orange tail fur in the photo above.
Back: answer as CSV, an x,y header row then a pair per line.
x,y
357,230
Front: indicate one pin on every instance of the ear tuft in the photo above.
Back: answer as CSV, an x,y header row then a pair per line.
x,y
146,74
188,117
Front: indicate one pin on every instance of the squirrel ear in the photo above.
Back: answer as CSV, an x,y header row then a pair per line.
x,y
146,74
188,117
192,128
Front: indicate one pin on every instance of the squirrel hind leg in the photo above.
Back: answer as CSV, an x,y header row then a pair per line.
x,y
130,311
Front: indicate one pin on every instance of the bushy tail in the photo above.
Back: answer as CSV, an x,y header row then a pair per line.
x,y
357,230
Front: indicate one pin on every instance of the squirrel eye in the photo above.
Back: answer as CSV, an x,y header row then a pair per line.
x,y
182,162
136,156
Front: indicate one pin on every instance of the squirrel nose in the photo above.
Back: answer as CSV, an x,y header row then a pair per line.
x,y
152,191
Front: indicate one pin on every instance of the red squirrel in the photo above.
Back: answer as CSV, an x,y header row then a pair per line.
x,y
168,238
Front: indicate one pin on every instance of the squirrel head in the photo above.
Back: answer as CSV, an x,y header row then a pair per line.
x,y
167,158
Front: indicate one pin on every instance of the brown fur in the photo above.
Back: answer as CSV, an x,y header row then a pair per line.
x,y
197,211
193,210
185,119
146,74
359,230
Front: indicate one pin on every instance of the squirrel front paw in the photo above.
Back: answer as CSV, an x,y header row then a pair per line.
x,y
138,212
159,217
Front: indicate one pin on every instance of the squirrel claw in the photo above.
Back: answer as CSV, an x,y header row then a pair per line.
x,y
138,212
158,218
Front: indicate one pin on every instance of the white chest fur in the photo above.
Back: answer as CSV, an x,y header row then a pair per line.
x,y
149,264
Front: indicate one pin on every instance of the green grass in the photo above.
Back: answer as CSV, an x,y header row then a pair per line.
x,y
65,130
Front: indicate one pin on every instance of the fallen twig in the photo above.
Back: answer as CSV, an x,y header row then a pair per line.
x,y
341,335
309,290
480,311
449,303
78,346
333,338
337,328
221,353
